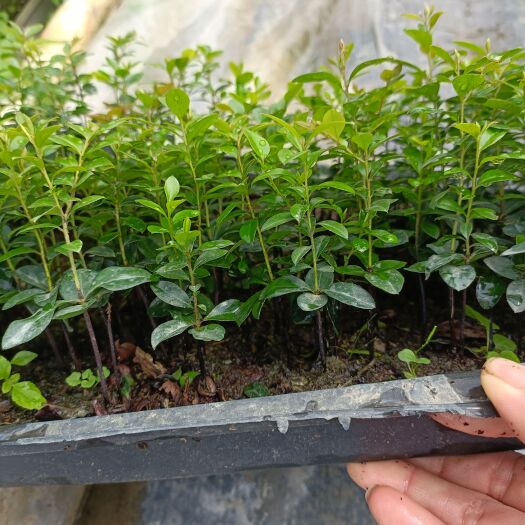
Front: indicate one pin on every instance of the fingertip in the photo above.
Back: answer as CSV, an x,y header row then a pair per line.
x,y
506,371
507,398
388,506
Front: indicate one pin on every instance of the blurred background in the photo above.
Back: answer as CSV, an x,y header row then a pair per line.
x,y
278,39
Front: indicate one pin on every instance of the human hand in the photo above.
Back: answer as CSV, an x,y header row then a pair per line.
x,y
481,489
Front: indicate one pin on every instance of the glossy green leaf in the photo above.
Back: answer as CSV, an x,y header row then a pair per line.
x,y
209,256
299,253
325,277
248,231
198,126
22,331
484,213
5,368
171,294
167,330
284,286
376,61
464,84
309,302
332,124
178,102
487,241
513,250
68,312
489,290
74,379
258,143
73,246
171,188
208,332
516,295
15,253
407,356
502,343
421,36
335,227
21,297
335,184
363,140
152,205
390,281
435,262
494,176
69,141
225,311
502,266
351,294
23,358
87,201
276,220
385,236
319,76
116,278
458,277
7,385
27,395
489,137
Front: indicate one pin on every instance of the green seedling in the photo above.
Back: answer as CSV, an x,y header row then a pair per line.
x,y
25,394
186,378
412,358
497,345
86,379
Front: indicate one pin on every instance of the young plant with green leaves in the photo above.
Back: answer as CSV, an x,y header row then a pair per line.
x,y
413,359
194,203
25,394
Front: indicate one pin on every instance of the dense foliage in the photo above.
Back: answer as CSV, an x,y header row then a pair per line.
x,y
208,204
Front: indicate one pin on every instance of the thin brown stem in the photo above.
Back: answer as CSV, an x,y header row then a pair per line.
x,y
98,358
201,356
71,350
321,357
54,347
107,321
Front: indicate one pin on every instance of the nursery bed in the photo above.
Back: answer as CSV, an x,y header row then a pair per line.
x,y
237,363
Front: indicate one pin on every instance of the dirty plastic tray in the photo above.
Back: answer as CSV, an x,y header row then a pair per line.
x,y
360,422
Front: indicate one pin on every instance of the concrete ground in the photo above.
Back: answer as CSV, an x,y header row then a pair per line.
x,y
294,496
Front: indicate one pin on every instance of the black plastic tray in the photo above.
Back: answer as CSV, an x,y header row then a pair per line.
x,y
361,422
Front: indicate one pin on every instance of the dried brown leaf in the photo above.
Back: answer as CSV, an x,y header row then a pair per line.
x,y
172,389
147,365
471,331
125,351
207,387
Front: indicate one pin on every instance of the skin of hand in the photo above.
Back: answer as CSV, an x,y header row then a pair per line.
x,y
481,489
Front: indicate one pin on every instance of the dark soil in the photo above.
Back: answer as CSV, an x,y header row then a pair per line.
x,y
245,358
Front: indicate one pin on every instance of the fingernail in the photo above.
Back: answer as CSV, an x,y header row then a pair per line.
x,y
507,371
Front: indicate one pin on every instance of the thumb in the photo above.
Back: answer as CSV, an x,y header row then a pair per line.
x,y
504,384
